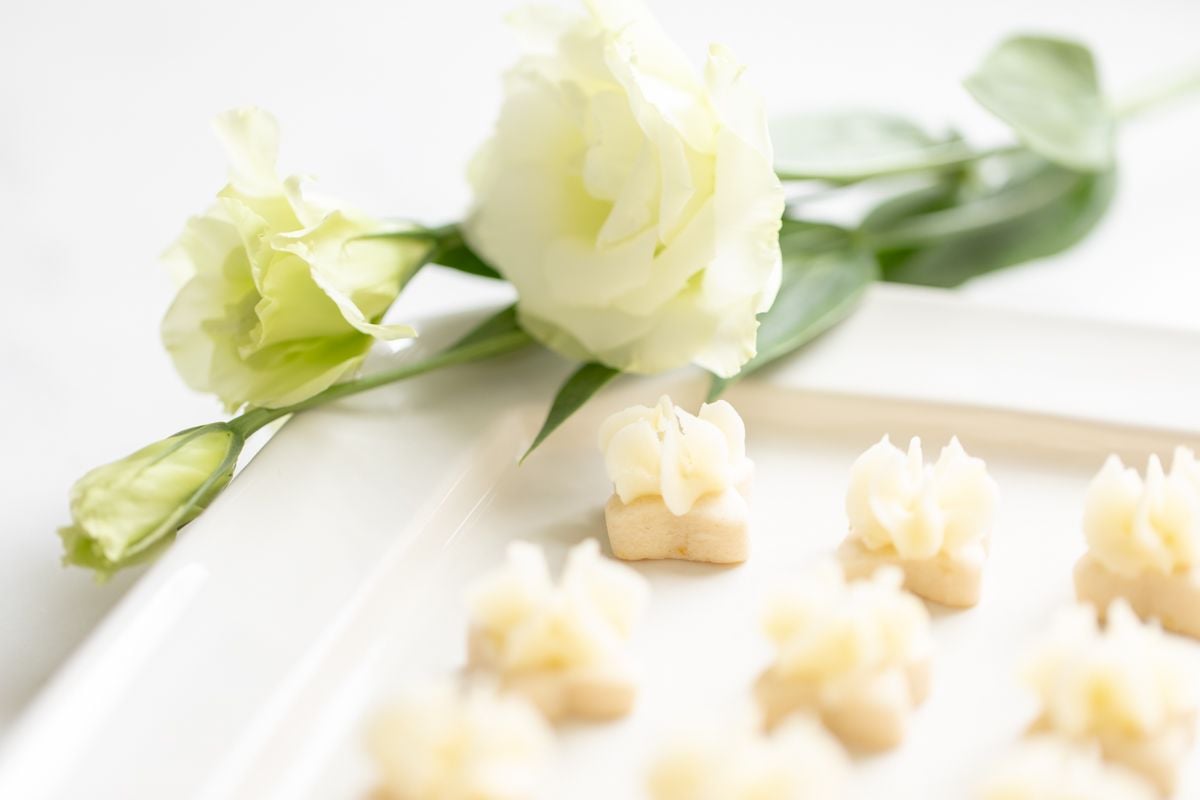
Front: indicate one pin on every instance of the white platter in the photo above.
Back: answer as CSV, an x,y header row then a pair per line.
x,y
330,573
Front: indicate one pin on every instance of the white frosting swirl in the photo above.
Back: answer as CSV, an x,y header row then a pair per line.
x,y
1051,768
897,500
827,630
665,451
439,743
532,624
1133,525
799,759
1128,680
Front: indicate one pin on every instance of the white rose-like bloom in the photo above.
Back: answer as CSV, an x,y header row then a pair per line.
x,y
1133,525
441,743
799,760
281,294
1128,680
633,205
532,624
897,500
833,632
665,451
1050,768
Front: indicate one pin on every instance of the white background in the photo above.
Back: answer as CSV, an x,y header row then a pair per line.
x,y
105,150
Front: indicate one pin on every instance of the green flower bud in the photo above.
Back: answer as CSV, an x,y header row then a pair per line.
x,y
123,512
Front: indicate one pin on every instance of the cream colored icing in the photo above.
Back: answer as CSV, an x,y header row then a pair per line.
x,y
798,759
829,631
1133,524
665,451
438,742
1054,768
1127,679
897,500
531,623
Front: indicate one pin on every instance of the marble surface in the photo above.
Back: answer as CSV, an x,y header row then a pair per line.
x,y
105,149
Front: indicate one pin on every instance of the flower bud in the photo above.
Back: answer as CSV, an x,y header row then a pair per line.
x,y
123,511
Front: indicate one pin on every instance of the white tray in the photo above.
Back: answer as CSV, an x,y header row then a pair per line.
x,y
331,571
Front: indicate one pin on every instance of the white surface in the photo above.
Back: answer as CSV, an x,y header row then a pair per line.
x,y
105,149
243,663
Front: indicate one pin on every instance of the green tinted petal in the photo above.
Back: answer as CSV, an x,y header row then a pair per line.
x,y
251,139
292,307
123,507
283,299
363,276
289,372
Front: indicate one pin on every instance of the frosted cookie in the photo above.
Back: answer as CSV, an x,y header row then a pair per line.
x,y
797,760
1143,539
933,521
442,743
1053,768
561,646
858,654
1128,689
681,483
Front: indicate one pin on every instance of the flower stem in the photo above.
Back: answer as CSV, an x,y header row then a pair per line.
x,y
464,353
1156,93
951,159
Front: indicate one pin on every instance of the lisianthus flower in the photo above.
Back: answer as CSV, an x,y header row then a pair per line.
x,y
282,295
632,203
125,510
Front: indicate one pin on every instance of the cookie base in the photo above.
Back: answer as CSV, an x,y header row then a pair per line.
x,y
594,694
954,581
1158,759
1174,600
870,717
716,530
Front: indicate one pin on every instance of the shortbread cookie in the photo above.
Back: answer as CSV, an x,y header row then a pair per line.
x,y
1128,689
440,742
864,693
1173,600
932,521
681,483
1143,540
561,646
1054,768
796,760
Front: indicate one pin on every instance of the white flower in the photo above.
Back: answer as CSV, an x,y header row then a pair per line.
x,y
663,450
1132,525
897,500
633,205
281,295
439,743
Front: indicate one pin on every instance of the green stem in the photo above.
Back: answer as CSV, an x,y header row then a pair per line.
x,y
1153,94
1156,93
254,419
987,212
954,158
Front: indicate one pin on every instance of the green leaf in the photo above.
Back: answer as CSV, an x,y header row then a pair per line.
x,y
583,383
825,272
448,249
845,147
454,253
1040,210
935,196
1047,90
500,323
